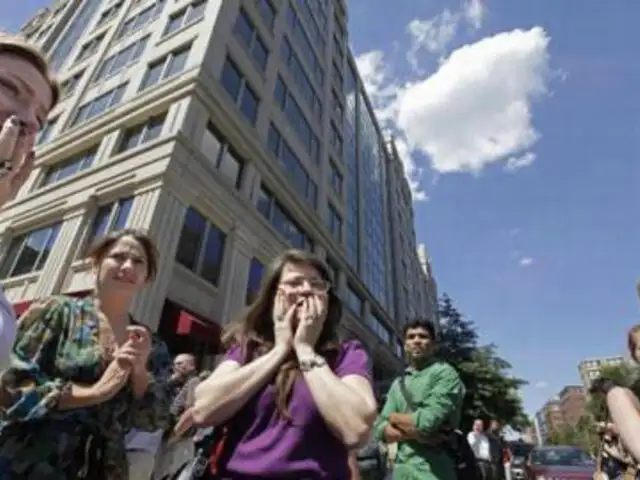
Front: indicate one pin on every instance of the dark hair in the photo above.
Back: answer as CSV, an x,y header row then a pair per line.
x,y
101,247
253,330
423,323
17,45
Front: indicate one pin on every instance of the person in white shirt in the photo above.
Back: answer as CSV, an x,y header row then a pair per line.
x,y
28,92
481,447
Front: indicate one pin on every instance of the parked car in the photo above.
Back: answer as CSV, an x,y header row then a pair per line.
x,y
519,454
559,462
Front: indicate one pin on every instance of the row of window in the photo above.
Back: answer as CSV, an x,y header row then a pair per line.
x,y
28,253
246,32
166,67
297,119
279,147
303,43
131,138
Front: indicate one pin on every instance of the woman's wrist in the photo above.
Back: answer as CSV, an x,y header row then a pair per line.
x,y
304,351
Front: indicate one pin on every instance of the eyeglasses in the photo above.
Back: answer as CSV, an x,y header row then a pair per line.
x,y
315,284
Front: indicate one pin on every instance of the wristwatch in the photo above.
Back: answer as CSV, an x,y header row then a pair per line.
x,y
309,363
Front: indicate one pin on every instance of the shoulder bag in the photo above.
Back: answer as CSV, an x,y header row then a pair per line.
x,y
204,465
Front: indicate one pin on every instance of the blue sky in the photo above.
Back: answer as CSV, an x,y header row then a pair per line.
x,y
519,124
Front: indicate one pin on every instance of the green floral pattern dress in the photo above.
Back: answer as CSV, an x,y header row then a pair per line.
x,y
57,344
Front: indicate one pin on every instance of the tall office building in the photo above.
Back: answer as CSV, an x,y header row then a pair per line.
x,y
549,419
414,287
229,130
591,368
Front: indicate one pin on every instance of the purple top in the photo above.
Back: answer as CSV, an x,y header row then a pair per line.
x,y
261,444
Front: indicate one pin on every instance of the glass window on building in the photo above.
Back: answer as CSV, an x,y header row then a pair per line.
x,y
201,246
166,67
140,134
46,131
70,37
141,19
122,59
297,120
99,105
267,12
354,301
236,85
109,14
283,221
335,178
109,218
334,222
222,156
68,167
292,164
304,86
256,272
248,36
89,48
185,17
304,45
28,253
69,86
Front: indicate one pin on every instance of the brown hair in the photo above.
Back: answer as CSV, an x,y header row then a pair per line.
x,y
19,46
632,341
101,247
253,331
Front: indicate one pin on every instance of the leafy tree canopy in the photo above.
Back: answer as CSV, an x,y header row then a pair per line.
x,y
492,391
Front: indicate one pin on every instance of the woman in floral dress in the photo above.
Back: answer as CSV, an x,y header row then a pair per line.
x,y
83,372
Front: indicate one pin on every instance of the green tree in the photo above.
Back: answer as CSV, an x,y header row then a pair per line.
x,y
583,434
492,392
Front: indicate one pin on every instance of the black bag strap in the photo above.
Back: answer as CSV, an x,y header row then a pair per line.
x,y
405,393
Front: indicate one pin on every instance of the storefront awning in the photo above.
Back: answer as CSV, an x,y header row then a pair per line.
x,y
22,306
189,324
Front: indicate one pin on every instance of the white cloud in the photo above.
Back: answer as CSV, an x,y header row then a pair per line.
x,y
476,108
432,35
518,162
474,12
526,261
541,385
436,34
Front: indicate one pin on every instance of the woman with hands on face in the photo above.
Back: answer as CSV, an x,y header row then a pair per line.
x,y
83,372
27,95
294,398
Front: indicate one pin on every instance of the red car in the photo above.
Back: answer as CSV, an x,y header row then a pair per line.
x,y
559,463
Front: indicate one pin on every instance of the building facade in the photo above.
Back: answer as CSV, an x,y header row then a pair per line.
x,y
591,368
229,131
572,401
549,419
414,287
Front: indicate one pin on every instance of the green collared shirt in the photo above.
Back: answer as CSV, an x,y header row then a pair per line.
x,y
437,392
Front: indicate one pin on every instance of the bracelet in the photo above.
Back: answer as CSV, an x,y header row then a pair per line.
x,y
308,364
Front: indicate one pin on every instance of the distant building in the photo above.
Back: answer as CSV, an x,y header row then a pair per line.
x,y
591,368
565,409
549,419
572,402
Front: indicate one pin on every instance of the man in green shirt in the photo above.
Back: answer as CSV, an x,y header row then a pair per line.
x,y
436,392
